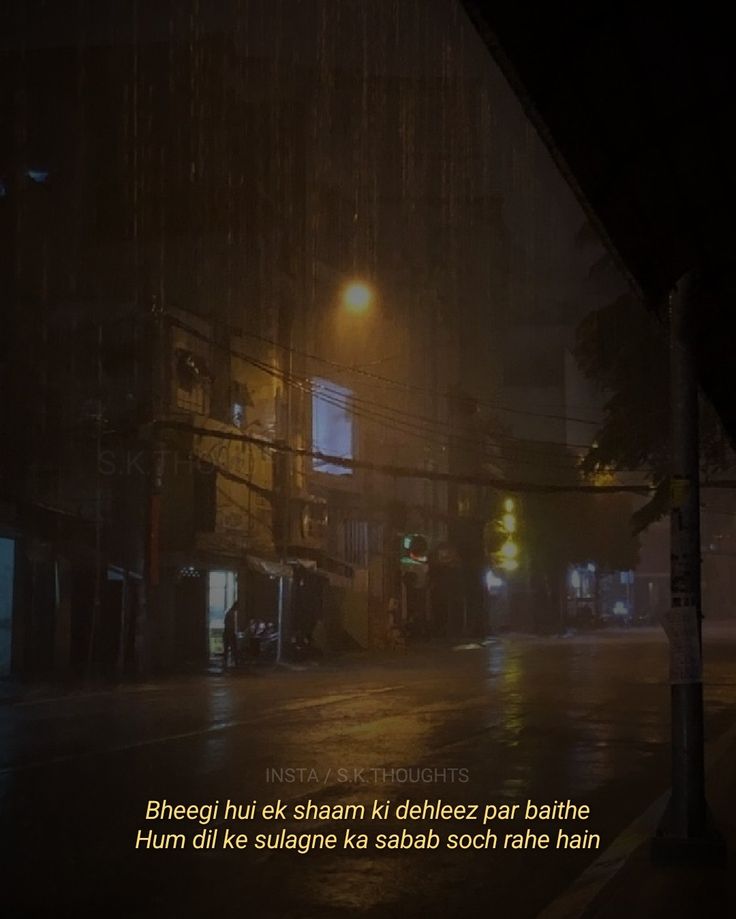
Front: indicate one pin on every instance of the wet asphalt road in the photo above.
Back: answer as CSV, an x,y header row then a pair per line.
x,y
583,718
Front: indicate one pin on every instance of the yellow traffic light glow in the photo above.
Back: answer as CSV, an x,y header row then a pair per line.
x,y
507,557
357,297
509,523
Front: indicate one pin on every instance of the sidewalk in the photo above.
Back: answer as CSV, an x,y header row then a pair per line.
x,y
16,692
12,691
642,889
623,881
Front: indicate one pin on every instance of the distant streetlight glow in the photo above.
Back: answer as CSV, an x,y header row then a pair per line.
x,y
509,523
357,297
492,579
507,557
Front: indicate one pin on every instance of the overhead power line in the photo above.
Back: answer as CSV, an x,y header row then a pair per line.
x,y
377,377
373,413
390,417
408,472
413,387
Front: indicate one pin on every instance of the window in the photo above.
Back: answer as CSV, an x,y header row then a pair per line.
x,y
332,425
192,382
349,541
240,401
356,542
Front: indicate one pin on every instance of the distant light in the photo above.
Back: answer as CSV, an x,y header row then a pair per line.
x,y
492,579
509,564
591,566
575,578
509,549
508,505
188,571
509,523
357,297
39,176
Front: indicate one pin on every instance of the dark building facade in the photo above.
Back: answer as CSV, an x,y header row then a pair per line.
x,y
183,215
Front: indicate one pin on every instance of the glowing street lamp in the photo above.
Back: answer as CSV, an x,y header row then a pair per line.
x,y
508,554
357,297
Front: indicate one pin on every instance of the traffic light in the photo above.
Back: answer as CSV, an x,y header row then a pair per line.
x,y
415,547
507,556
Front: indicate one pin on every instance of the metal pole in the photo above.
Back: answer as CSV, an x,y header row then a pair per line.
x,y
97,583
279,639
287,332
155,652
685,832
289,457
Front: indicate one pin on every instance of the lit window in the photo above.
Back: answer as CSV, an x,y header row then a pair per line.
x,y
332,425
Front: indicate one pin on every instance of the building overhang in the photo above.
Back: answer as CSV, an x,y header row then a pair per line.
x,y
634,103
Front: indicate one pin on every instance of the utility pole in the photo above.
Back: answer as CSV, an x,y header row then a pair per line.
x,y
286,321
685,832
159,333
97,583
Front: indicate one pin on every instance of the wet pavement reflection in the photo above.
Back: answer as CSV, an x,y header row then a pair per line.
x,y
583,718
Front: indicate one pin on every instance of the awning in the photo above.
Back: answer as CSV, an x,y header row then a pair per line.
x,y
304,563
270,567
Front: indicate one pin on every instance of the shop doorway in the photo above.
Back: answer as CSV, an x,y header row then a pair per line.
x,y
190,597
222,593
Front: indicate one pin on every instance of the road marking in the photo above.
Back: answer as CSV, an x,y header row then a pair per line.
x,y
75,694
335,697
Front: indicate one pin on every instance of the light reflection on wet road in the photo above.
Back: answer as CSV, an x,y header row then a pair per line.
x,y
582,718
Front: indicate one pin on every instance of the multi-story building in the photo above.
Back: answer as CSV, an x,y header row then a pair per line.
x,y
184,217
